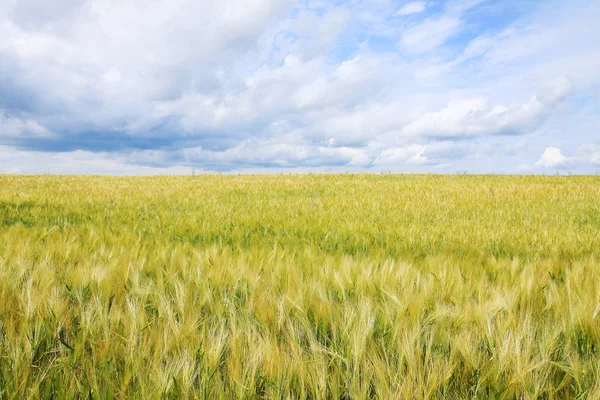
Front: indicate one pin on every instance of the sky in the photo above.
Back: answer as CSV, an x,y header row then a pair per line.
x,y
180,86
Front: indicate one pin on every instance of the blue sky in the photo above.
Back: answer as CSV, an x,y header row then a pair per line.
x,y
171,86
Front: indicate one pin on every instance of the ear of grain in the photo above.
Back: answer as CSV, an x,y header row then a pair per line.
x,y
299,286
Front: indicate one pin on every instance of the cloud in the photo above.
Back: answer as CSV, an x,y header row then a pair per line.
x,y
411,154
589,154
16,161
552,158
554,90
14,128
474,117
461,6
435,31
429,34
285,84
560,40
414,7
436,154
286,154
105,63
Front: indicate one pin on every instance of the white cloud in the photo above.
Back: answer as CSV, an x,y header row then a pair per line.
x,y
554,90
16,161
460,6
473,117
444,153
558,41
524,168
411,154
290,151
589,154
414,7
429,34
286,84
110,61
435,31
552,158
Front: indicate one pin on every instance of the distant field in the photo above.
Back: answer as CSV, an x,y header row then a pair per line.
x,y
300,286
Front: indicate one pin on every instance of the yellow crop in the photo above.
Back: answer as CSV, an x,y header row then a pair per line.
x,y
300,286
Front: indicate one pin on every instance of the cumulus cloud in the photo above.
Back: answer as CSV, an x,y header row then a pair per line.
x,y
474,117
552,158
279,84
587,154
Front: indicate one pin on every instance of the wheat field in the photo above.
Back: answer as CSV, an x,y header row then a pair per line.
x,y
300,287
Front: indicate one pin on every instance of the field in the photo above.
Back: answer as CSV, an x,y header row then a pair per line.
x,y
300,287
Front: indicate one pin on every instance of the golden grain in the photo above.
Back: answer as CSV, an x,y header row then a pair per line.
x,y
300,286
